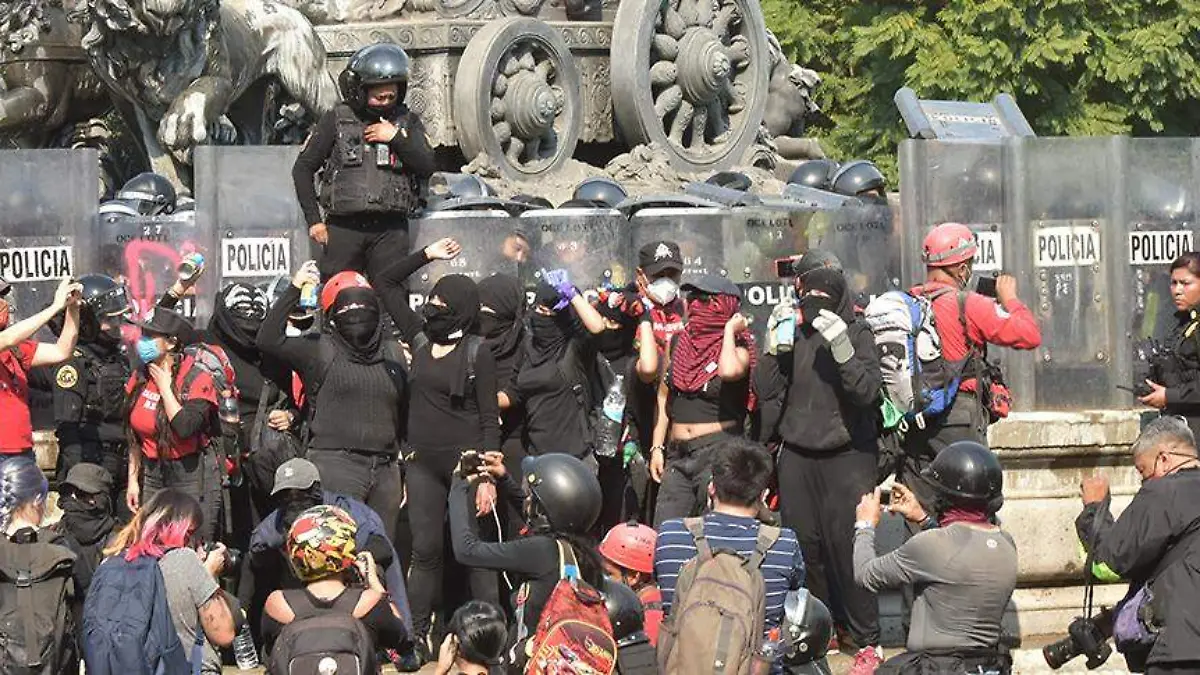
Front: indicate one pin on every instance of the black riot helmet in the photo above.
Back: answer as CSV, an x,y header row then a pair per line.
x,y
966,471
102,298
114,210
625,611
602,191
371,65
815,173
807,628
857,177
150,193
565,494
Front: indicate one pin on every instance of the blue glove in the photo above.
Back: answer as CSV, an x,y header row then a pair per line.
x,y
561,281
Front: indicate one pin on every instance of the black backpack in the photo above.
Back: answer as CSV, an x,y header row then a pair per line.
x,y
36,589
319,634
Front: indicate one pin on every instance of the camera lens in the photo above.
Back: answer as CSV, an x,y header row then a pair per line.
x,y
1057,654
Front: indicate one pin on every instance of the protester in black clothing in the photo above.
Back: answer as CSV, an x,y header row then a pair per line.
x,y
356,388
554,379
828,429
502,325
453,409
322,553
562,502
85,497
704,395
372,152
88,389
1154,542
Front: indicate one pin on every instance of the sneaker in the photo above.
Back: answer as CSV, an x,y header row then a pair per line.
x,y
866,660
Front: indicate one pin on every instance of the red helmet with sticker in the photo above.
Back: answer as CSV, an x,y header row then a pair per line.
x,y
948,244
338,283
320,543
630,545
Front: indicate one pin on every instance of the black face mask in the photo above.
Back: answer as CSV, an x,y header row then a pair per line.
x,y
616,343
297,502
441,323
248,324
359,328
492,327
87,523
811,306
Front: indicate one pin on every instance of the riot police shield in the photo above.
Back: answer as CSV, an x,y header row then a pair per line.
x,y
144,252
492,242
754,238
867,241
1162,177
952,182
593,245
1073,235
697,227
249,204
46,216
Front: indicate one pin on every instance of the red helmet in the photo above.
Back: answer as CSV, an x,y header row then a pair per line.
x,y
338,283
630,545
948,244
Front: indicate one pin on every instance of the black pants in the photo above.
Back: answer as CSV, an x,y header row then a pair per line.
x,y
199,476
428,481
969,662
371,478
369,245
1180,668
818,493
616,484
684,489
112,455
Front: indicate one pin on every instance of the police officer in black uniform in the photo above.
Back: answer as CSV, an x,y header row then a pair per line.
x,y
372,154
89,388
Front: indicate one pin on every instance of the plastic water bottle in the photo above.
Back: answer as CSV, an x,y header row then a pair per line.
x,y
610,426
244,651
785,333
190,267
227,409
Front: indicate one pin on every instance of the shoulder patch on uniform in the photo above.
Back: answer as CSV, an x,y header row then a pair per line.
x,y
67,377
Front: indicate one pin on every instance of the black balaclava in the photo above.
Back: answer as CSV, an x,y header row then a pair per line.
x,y
355,324
503,295
88,523
830,287
449,322
549,334
239,313
294,502
617,343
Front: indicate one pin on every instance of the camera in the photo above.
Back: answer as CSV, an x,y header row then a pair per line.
x,y
785,268
469,464
233,559
1088,637
986,286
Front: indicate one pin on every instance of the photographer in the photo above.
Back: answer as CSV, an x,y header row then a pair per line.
x,y
1153,544
964,570
1174,383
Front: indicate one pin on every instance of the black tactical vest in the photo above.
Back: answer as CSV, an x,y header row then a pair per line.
x,y
362,177
90,388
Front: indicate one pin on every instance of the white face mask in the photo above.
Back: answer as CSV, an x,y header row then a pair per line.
x,y
663,291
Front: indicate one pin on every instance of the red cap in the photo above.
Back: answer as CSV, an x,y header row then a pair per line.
x,y
338,283
630,545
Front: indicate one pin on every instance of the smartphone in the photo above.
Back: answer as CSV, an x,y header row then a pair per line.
x,y
986,286
885,498
1138,391
785,268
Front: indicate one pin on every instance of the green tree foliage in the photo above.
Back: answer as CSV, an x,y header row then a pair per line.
x,y
1076,67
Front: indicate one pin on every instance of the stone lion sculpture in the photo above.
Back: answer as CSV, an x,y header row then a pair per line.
x,y
181,69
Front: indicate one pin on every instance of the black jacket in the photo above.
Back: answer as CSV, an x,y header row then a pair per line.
x,y
1180,373
811,402
1161,511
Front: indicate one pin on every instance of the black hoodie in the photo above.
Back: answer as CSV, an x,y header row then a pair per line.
x,y
825,406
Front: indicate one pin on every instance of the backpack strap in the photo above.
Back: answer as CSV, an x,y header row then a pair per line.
x,y
695,527
197,657
767,536
568,566
23,557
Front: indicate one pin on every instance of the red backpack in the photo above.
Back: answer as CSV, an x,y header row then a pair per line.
x,y
574,636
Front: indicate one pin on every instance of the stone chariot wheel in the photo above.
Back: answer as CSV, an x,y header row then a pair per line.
x,y
516,97
691,75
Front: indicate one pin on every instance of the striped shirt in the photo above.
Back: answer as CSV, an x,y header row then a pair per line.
x,y
782,569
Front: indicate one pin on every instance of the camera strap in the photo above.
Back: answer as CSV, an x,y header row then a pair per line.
x,y
1090,587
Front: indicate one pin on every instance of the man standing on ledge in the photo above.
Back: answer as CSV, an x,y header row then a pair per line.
x,y
371,153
